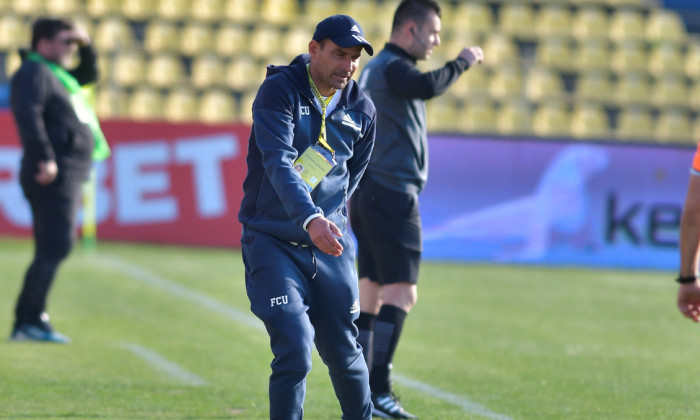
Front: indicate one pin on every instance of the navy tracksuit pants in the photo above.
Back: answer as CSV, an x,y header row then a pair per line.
x,y
304,297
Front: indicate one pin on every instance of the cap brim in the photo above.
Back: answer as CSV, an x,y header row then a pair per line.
x,y
353,40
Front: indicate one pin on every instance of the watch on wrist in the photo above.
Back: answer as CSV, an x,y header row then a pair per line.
x,y
686,279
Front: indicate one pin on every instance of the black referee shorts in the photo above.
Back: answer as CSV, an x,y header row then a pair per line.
x,y
387,226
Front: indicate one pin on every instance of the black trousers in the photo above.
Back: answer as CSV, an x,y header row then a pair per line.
x,y
54,211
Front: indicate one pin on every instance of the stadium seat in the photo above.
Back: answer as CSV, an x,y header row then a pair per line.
x,y
696,129
113,33
12,63
196,38
477,115
174,9
442,115
590,21
592,54
692,61
265,41
280,11
517,19
474,83
161,36
553,20
543,83
316,10
105,66
632,88
207,10
515,118
164,70
242,11
15,32
505,82
245,107
28,7
231,39
139,10
665,58
60,7
629,56
670,90
473,16
129,68
665,25
102,8
499,49
555,53
243,73
551,119
594,86
180,105
217,106
207,72
635,123
111,102
627,24
694,94
145,103
296,41
624,3
589,121
673,125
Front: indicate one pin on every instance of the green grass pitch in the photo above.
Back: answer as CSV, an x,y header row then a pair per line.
x,y
165,333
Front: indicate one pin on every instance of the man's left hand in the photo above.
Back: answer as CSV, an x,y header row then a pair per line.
x,y
689,300
323,234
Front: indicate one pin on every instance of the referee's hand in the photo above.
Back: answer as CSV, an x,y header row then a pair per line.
x,y
323,233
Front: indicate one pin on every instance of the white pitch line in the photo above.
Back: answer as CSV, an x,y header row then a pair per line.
x,y
161,363
176,289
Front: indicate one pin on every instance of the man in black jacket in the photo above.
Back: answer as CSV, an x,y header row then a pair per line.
x,y
58,142
384,211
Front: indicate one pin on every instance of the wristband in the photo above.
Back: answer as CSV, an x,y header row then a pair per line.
x,y
686,279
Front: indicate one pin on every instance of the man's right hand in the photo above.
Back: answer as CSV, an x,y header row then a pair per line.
x,y
47,172
323,234
472,55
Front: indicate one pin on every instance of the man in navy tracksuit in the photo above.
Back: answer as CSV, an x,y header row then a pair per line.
x,y
312,136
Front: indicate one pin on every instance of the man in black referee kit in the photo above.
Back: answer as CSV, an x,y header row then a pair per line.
x,y
384,211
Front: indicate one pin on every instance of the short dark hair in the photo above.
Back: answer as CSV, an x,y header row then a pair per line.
x,y
414,10
48,27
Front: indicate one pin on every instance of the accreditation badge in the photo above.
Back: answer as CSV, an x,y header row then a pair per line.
x,y
313,165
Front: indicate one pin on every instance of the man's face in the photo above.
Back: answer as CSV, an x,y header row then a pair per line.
x,y
332,66
426,37
59,49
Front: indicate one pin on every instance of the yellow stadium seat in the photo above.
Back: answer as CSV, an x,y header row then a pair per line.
x,y
139,10
231,39
164,70
499,49
477,115
590,121
629,56
100,8
207,71
473,83
12,63
105,65
665,58
316,10
696,129
243,73
473,16
670,90
280,11
624,3
592,54
62,7
543,83
594,86
553,20
265,41
506,82
129,68
517,19
694,94
207,10
161,36
145,103
692,61
245,108
217,106
551,119
673,125
113,33
555,53
632,88
181,105
111,102
296,41
627,24
442,115
15,32
28,7
244,11
173,9
364,12
665,25
515,118
635,123
590,21
197,38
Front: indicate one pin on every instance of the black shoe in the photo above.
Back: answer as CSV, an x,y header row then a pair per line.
x,y
387,406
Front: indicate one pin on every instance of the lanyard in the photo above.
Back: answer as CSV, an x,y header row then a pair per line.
x,y
324,103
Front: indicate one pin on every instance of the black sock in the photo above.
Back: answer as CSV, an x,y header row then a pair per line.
x,y
387,330
365,326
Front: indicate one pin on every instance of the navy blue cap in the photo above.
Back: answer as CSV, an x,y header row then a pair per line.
x,y
344,31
